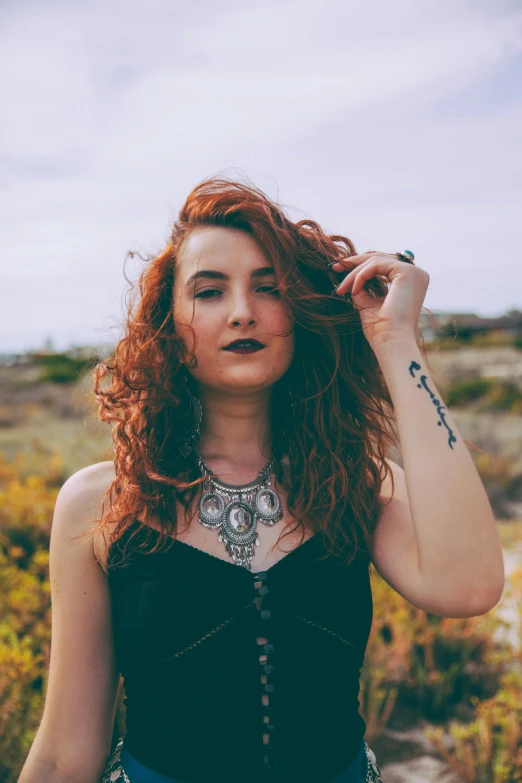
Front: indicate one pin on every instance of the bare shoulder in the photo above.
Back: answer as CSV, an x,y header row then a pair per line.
x,y
83,492
88,479
81,500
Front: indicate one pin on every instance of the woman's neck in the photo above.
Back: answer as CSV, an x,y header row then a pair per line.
x,y
236,433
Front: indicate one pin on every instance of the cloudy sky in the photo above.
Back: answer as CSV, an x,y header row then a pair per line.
x,y
394,122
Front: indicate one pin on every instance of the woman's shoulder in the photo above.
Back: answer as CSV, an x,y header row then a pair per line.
x,y
87,485
82,495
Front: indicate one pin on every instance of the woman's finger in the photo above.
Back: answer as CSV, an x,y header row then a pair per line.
x,y
357,259
378,265
347,281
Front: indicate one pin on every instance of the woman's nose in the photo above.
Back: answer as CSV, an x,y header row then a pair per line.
x,y
242,309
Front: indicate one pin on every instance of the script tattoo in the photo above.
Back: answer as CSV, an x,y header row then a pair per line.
x,y
423,384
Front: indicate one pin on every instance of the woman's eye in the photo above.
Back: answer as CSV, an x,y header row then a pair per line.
x,y
203,294
207,293
272,290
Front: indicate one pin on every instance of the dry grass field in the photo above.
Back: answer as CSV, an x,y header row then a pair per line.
x,y
42,419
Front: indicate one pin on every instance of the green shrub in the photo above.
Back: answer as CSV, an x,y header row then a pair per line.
x,y
61,368
503,396
492,393
461,393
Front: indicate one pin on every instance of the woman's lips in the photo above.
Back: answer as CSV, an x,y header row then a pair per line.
x,y
251,349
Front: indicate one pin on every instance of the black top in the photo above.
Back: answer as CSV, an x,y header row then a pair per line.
x,y
234,675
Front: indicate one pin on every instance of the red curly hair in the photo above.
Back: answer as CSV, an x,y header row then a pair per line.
x,y
343,425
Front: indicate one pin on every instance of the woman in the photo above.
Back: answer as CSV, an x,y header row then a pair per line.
x,y
252,404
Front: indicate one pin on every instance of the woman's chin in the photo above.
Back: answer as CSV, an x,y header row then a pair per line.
x,y
241,384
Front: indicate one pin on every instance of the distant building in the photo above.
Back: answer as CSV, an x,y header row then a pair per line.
x,y
8,359
467,325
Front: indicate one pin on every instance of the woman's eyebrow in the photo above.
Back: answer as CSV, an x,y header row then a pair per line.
x,y
213,274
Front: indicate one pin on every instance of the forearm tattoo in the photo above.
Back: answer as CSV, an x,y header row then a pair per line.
x,y
414,366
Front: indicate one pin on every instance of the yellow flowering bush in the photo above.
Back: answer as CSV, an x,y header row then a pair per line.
x,y
26,506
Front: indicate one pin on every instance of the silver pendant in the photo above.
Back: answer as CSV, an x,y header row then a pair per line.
x,y
236,510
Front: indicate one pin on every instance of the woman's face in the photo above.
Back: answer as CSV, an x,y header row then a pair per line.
x,y
230,304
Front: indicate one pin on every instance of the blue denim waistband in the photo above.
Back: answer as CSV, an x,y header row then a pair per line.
x,y
139,773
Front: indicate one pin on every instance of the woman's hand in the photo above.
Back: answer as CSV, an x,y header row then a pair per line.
x,y
394,316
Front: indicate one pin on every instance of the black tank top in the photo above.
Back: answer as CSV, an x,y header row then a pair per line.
x,y
241,676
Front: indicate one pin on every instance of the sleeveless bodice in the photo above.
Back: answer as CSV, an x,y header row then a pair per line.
x,y
232,675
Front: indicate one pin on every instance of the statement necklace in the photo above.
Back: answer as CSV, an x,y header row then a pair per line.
x,y
236,510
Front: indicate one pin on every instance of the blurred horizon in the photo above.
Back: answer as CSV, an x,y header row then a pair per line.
x,y
53,344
